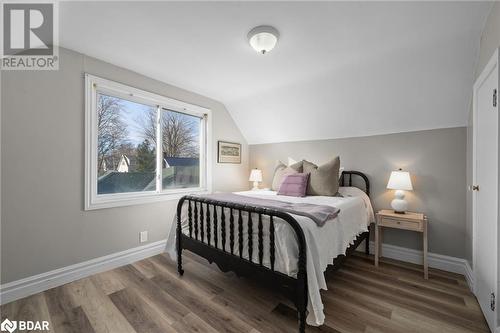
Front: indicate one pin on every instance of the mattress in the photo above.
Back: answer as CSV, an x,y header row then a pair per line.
x,y
323,244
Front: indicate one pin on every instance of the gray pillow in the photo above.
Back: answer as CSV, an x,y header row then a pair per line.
x,y
324,180
281,171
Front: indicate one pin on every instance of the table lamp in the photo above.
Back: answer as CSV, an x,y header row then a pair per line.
x,y
255,177
399,181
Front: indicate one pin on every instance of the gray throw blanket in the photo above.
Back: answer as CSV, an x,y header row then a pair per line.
x,y
320,214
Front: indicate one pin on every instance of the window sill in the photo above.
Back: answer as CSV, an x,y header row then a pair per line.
x,y
132,199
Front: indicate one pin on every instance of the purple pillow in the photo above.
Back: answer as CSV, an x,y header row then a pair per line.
x,y
294,185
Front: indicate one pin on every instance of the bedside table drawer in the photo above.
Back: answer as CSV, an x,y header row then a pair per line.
x,y
400,224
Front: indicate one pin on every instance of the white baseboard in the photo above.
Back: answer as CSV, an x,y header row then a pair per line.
x,y
469,276
439,261
34,284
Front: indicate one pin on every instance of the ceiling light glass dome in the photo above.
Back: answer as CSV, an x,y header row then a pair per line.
x,y
263,38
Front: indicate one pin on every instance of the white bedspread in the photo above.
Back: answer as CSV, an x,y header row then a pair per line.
x,y
323,244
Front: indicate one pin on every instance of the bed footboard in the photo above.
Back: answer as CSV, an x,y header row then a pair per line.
x,y
203,239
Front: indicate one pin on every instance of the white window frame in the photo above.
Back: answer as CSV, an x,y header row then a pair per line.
x,y
93,85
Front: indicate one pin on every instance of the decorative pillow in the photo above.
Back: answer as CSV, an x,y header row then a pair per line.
x,y
281,171
324,180
294,185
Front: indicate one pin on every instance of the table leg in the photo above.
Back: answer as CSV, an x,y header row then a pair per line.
x,y
426,268
381,241
377,240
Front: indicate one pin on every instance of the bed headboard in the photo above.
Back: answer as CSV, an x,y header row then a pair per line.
x,y
346,179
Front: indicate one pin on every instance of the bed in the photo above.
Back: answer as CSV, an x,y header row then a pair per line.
x,y
282,250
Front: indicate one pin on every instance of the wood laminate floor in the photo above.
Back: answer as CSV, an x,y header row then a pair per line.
x,y
149,296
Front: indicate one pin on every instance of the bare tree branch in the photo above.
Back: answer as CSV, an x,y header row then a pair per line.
x,y
111,129
179,133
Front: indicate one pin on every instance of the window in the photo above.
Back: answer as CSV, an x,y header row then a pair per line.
x,y
142,147
180,140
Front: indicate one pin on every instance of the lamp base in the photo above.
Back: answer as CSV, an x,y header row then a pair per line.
x,y
399,204
255,186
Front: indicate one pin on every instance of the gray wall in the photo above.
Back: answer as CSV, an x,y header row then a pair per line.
x,y
436,160
490,40
43,225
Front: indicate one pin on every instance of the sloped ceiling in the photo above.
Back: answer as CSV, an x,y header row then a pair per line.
x,y
340,69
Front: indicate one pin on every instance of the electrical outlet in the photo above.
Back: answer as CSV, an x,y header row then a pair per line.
x,y
143,236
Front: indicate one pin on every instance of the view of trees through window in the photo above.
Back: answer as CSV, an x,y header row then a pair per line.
x,y
127,142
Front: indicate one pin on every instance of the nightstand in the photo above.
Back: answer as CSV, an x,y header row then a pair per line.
x,y
409,221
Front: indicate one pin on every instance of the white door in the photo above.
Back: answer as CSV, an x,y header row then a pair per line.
x,y
485,197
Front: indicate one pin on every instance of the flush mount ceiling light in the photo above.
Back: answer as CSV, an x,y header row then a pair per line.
x,y
263,38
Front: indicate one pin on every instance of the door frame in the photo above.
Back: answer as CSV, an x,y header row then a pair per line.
x,y
493,63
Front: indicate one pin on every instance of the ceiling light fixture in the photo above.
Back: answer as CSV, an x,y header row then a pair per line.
x,y
263,38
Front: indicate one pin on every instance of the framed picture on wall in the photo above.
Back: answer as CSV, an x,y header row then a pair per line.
x,y
228,152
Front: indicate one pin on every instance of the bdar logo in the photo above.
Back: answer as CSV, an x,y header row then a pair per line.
x,y
24,325
9,326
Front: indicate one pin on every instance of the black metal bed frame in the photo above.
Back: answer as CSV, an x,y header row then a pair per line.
x,y
203,239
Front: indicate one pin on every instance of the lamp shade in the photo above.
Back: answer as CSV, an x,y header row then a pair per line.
x,y
255,176
400,180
